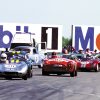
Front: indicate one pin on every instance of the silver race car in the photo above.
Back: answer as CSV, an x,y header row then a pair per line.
x,y
16,66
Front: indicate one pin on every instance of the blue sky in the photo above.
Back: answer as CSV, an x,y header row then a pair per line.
x,y
62,12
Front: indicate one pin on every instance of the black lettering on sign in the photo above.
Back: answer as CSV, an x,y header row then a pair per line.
x,y
50,36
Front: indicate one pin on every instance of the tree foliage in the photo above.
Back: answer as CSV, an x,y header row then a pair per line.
x,y
66,41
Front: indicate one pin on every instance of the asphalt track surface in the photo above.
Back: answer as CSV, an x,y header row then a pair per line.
x,y
86,86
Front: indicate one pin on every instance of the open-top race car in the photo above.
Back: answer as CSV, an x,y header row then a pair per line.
x,y
89,62
72,57
59,65
16,66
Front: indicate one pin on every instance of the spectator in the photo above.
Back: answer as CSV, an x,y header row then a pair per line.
x,y
74,50
95,51
54,55
87,51
80,51
65,50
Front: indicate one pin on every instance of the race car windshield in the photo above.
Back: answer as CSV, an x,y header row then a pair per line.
x,y
22,49
66,56
80,57
85,59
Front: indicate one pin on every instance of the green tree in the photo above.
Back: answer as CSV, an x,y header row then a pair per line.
x,y
66,41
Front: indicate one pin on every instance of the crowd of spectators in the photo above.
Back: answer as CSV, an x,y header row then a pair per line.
x,y
70,49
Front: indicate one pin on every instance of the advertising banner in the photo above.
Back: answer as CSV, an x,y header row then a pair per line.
x,y
86,37
24,33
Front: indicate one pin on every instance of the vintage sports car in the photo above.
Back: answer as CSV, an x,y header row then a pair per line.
x,y
72,57
17,66
33,54
89,63
59,66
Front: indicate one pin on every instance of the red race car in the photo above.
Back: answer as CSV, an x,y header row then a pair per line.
x,y
59,65
89,63
74,58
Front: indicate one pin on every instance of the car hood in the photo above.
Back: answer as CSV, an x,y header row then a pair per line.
x,y
12,65
63,61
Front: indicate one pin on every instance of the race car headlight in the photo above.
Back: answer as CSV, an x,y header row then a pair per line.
x,y
12,60
17,61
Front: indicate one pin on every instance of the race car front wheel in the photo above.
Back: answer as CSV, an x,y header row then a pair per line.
x,y
40,66
72,74
97,68
75,73
44,72
30,72
24,77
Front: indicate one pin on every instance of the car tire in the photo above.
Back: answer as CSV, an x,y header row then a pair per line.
x,y
59,74
40,66
75,73
30,72
72,74
44,73
97,68
24,77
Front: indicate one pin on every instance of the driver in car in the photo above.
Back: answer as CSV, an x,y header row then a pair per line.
x,y
3,58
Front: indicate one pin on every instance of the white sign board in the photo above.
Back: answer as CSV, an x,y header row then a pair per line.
x,y
86,37
13,33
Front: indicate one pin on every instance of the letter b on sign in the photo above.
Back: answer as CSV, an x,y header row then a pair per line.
x,y
5,38
49,35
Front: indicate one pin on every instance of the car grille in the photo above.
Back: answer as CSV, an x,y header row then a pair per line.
x,y
11,73
57,68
